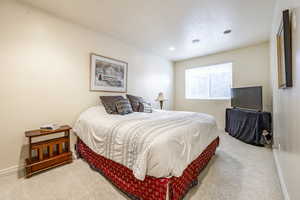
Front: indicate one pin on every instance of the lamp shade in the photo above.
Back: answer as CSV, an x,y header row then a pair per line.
x,y
161,97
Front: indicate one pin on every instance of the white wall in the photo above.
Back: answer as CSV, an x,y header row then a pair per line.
x,y
44,73
286,109
250,68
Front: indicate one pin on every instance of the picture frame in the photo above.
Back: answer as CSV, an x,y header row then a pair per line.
x,y
280,57
107,74
284,52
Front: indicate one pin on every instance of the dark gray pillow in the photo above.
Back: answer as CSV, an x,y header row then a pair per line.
x,y
109,103
135,102
124,107
145,107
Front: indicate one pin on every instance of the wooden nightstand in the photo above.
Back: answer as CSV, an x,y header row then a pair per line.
x,y
46,154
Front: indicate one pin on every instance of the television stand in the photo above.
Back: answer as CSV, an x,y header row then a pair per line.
x,y
250,126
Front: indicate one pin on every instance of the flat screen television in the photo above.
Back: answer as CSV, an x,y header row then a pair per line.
x,y
247,98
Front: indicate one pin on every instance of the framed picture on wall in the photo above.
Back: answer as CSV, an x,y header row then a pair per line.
x,y
284,52
108,74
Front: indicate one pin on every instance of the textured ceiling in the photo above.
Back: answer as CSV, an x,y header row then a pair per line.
x,y
157,25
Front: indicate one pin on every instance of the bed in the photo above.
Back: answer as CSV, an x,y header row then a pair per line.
x,y
147,156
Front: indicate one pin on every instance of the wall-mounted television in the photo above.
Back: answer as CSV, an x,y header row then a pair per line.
x,y
247,98
284,51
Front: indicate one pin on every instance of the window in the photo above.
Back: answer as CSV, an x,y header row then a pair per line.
x,y
209,82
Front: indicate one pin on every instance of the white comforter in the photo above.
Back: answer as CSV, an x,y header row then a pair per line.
x,y
159,144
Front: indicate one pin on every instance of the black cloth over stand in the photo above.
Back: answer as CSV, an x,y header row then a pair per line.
x,y
248,126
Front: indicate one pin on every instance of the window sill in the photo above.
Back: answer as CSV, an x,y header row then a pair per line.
x,y
209,99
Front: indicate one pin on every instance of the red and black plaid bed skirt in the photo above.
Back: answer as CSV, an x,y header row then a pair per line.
x,y
151,188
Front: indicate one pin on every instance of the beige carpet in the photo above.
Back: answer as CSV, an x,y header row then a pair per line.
x,y
237,172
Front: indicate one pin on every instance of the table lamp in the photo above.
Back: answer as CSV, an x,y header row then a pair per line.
x,y
161,99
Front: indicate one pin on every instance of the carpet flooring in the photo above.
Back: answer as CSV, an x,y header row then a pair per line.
x,y
238,172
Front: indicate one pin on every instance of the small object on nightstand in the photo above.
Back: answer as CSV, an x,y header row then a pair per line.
x,y
161,99
50,127
47,154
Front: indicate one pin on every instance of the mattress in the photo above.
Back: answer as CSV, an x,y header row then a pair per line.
x,y
158,144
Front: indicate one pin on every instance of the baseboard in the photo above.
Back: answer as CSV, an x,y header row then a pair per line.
x,y
10,170
280,175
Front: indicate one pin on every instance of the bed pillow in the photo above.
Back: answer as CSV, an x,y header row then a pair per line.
x,y
109,103
124,107
145,107
135,102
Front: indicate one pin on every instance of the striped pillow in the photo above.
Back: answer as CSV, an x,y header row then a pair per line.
x,y
135,102
123,107
145,107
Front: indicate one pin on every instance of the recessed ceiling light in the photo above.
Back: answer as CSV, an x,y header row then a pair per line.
x,y
195,41
227,31
171,48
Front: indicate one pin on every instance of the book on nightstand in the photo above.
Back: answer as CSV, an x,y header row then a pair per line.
x,y
49,127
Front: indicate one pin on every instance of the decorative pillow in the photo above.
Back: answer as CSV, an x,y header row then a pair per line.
x,y
135,102
145,107
109,103
124,107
